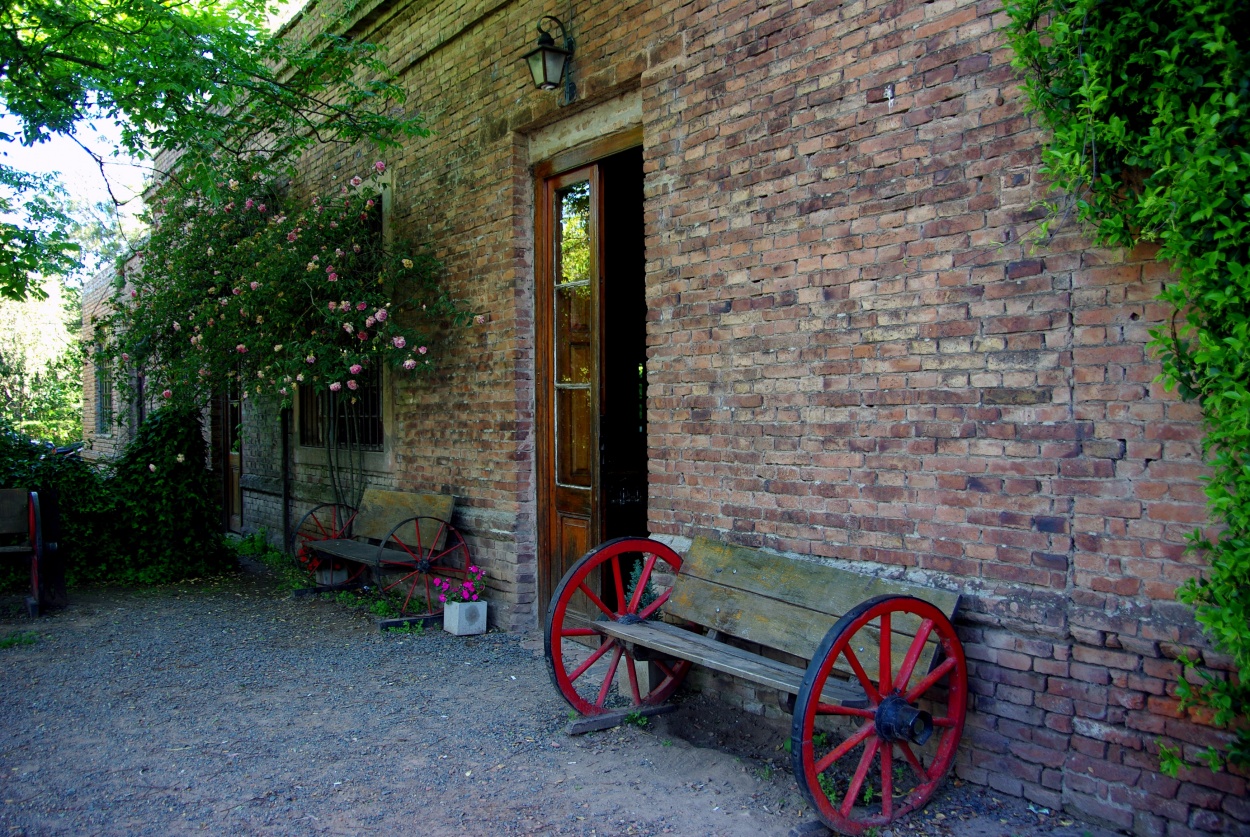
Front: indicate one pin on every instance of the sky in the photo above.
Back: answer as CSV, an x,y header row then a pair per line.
x,y
78,172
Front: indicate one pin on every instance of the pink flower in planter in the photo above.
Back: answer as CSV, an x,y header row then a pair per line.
x,y
335,387
355,368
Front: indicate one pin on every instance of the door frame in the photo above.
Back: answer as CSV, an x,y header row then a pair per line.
x,y
544,350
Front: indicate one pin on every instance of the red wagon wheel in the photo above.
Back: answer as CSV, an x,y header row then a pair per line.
x,y
583,665
327,521
864,766
411,556
35,530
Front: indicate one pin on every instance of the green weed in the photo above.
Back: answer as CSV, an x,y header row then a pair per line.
x,y
19,638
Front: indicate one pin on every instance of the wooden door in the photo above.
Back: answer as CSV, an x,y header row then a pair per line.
x,y
591,328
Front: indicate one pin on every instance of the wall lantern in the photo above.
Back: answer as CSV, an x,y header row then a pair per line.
x,y
547,62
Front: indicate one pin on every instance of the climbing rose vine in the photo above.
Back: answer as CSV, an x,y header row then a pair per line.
x,y
249,287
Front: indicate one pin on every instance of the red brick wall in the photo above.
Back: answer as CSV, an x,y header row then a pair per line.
x,y
855,351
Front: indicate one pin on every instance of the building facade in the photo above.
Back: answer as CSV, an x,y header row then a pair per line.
x,y
768,273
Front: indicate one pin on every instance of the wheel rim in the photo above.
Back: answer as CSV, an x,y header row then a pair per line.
x,y
327,521
584,666
411,556
863,767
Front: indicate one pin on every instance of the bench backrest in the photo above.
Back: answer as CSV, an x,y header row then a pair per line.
x,y
784,603
13,512
380,510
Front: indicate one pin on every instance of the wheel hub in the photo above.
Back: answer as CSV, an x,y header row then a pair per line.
x,y
897,719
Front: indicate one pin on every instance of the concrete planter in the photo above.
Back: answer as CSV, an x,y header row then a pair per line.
x,y
465,618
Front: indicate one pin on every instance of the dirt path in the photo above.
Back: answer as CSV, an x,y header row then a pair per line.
x,y
231,708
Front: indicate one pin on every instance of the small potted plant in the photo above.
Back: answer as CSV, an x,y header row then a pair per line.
x,y
464,610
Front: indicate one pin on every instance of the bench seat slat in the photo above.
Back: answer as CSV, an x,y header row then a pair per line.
x,y
20,549
688,645
356,551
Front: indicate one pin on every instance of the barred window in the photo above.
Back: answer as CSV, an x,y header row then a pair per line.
x,y
103,397
357,422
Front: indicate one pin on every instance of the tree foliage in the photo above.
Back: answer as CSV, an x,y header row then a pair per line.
x,y
200,76
1148,105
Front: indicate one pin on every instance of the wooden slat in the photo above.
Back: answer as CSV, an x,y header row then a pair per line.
x,y
687,645
380,510
790,605
13,511
809,584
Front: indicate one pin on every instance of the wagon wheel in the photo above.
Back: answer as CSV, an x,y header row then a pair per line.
x,y
870,764
35,529
324,522
586,681
411,556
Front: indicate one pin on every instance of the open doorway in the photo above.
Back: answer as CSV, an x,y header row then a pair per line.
x,y
591,365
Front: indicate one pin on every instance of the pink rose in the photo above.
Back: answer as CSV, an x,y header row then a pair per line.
x,y
333,277
356,248
291,236
356,181
241,349
379,166
261,208
249,203
398,342
355,368
422,350
236,291
369,204
381,315
370,322
311,359
352,384
479,319
333,305
363,335
410,364
177,327
360,306
152,468
167,394
335,387
348,327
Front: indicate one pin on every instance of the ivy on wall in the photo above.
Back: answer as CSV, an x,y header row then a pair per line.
x,y
1147,102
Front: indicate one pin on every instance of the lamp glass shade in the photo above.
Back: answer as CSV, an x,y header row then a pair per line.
x,y
546,65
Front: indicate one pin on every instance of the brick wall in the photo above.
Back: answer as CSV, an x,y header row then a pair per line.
x,y
855,352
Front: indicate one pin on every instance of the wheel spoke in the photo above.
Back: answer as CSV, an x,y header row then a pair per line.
x,y
644,578
911,759
596,600
873,695
913,654
934,676
607,679
861,773
835,709
945,723
646,612
884,669
845,747
619,581
633,676
590,661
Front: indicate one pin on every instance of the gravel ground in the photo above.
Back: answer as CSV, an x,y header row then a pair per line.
x,y
232,708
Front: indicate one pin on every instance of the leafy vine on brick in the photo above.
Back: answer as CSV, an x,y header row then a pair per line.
x,y
1147,102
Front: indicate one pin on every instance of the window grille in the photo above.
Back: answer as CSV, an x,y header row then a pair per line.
x,y
354,423
103,398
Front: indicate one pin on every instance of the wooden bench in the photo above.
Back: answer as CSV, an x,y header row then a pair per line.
x,y
872,669
22,520
396,540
